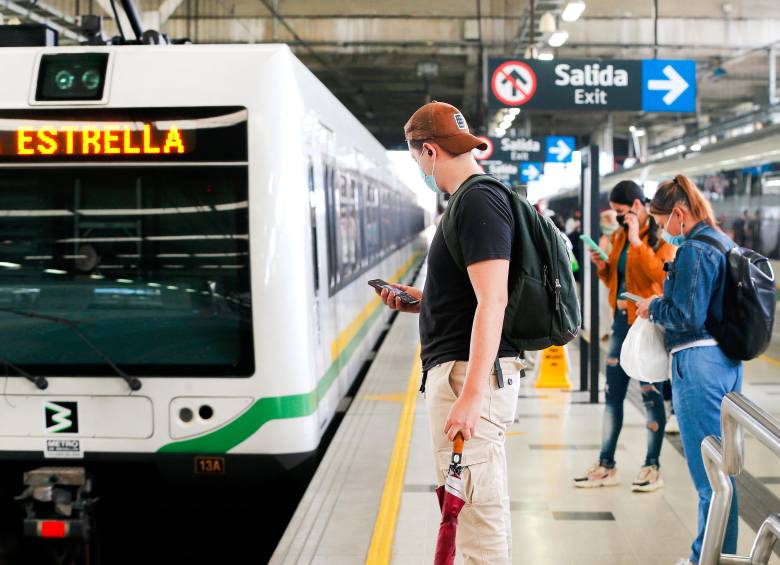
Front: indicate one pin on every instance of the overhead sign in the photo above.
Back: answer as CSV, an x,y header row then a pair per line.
x,y
531,171
588,85
508,149
559,149
508,173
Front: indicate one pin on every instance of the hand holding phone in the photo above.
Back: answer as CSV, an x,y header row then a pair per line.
x,y
406,298
587,240
630,296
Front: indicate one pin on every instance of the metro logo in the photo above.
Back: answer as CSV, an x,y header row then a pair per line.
x,y
98,140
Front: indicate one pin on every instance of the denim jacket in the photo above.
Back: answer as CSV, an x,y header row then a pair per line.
x,y
693,289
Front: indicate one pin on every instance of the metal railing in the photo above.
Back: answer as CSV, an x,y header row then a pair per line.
x,y
725,460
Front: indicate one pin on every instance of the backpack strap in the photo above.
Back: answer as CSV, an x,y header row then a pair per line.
x,y
712,241
448,227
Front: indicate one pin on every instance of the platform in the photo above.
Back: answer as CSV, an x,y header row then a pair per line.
x,y
372,498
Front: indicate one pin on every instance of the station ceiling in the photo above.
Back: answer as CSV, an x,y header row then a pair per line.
x,y
371,54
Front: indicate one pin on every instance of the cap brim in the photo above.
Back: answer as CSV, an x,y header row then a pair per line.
x,y
461,143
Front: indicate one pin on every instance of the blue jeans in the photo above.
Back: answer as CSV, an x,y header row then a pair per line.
x,y
701,377
617,386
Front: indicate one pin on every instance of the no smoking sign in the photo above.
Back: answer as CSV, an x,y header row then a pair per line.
x,y
513,83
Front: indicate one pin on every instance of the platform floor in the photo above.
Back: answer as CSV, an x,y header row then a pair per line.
x,y
372,498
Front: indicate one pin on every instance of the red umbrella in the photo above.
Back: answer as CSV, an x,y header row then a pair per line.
x,y
451,501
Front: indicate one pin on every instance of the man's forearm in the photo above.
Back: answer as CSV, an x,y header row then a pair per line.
x,y
485,341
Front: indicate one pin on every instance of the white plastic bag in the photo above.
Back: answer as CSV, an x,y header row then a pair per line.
x,y
644,355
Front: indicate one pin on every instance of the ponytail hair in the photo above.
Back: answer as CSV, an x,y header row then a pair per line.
x,y
682,191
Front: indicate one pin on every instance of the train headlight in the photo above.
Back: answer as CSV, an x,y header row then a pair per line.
x,y
64,80
72,76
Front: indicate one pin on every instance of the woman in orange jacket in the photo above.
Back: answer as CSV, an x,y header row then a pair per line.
x,y
636,266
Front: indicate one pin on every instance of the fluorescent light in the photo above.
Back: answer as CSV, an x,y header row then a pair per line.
x,y
514,111
172,255
154,285
55,272
500,132
639,132
10,265
546,56
573,11
190,290
172,287
696,147
96,276
632,128
547,23
38,258
558,38
125,281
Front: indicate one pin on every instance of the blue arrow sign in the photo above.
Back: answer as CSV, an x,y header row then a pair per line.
x,y
668,86
559,149
531,171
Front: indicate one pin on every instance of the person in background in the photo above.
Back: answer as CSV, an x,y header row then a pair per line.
x,y
701,373
635,265
740,228
608,224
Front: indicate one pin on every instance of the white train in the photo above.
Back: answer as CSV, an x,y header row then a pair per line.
x,y
196,221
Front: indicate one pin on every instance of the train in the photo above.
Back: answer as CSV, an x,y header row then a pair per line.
x,y
186,236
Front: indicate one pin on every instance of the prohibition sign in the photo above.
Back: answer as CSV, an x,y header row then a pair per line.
x,y
482,155
513,83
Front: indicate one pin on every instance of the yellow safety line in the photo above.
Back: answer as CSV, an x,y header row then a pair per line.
x,y
381,548
343,339
769,359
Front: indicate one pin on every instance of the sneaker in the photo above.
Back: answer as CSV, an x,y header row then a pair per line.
x,y
672,427
684,562
597,476
648,479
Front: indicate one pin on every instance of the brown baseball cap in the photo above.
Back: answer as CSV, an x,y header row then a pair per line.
x,y
444,124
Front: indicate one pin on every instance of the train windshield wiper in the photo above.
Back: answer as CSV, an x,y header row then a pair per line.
x,y
132,382
40,382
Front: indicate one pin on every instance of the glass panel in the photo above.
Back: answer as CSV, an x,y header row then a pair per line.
x,y
150,264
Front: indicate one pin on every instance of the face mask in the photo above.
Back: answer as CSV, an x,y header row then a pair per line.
x,y
674,239
429,180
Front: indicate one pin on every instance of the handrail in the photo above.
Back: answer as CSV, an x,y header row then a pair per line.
x,y
724,460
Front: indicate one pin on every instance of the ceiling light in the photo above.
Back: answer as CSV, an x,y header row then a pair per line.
x,y
10,265
55,272
573,11
500,132
696,147
558,38
514,111
546,56
547,23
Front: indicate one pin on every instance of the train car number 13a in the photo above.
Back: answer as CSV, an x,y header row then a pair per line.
x,y
209,465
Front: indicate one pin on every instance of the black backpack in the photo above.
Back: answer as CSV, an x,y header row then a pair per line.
x,y
749,300
543,308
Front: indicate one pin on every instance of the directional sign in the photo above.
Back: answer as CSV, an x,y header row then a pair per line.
x,y
531,171
513,83
559,149
669,86
593,85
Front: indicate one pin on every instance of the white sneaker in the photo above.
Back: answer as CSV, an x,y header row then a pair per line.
x,y
597,476
672,427
684,562
648,480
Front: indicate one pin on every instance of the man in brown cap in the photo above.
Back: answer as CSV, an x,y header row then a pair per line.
x,y
461,318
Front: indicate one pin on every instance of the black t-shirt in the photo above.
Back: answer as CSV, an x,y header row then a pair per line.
x,y
485,228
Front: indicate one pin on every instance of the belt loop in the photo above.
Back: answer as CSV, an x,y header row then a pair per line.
x,y
424,378
499,374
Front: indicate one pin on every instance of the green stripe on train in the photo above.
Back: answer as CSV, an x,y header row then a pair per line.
x,y
275,408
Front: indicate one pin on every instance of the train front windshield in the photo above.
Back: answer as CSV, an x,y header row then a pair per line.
x,y
133,257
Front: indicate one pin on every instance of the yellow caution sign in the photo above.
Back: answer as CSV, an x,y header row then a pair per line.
x,y
553,369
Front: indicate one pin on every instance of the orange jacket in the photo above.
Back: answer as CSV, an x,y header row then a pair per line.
x,y
644,268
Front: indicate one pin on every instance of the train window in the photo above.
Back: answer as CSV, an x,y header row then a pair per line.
x,y
313,221
347,227
373,242
133,256
330,225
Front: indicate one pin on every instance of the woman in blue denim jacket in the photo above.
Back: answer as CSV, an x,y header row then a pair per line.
x,y
693,292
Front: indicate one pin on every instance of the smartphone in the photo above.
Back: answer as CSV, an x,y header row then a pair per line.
x,y
594,246
631,297
406,298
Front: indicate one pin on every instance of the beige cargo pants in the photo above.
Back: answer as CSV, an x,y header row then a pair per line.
x,y
484,527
